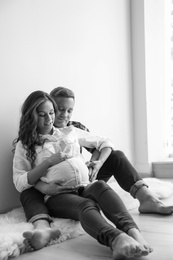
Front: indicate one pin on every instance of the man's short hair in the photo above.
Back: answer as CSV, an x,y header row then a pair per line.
x,y
62,92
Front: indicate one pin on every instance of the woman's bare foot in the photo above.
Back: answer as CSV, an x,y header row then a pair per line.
x,y
125,246
136,234
150,204
39,238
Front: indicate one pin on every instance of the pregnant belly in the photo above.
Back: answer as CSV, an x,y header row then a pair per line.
x,y
73,170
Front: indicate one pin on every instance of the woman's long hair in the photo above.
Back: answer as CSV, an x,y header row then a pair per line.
x,y
27,133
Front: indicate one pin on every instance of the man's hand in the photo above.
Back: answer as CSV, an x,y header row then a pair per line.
x,y
54,188
93,167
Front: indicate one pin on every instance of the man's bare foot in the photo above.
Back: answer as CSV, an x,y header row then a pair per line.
x,y
39,238
136,234
150,204
124,246
154,205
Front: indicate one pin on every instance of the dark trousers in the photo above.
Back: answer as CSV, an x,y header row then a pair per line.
x,y
85,207
116,165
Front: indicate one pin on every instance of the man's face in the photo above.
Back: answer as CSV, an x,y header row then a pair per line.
x,y
64,111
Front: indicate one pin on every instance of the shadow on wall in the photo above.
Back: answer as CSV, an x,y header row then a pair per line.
x,y
9,196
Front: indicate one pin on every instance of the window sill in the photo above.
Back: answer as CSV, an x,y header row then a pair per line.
x,y
163,169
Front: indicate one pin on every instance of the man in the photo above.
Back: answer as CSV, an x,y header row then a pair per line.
x,y
116,165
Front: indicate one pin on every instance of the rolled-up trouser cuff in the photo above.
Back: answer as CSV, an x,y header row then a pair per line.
x,y
39,217
136,187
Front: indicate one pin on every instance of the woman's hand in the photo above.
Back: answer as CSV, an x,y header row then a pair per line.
x,y
56,158
54,187
94,168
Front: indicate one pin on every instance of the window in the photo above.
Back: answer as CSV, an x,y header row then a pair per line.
x,y
168,44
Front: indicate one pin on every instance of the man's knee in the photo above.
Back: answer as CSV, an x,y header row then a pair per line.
x,y
118,154
28,194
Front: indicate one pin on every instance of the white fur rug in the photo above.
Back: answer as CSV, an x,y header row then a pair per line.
x,y
13,223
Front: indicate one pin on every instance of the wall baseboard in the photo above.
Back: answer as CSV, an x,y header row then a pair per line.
x,y
162,169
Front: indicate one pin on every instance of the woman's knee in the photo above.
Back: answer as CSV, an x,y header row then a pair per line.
x,y
87,205
100,185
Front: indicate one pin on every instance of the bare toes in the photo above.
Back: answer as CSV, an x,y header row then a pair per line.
x,y
28,246
28,234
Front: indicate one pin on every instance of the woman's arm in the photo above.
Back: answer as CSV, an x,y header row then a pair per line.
x,y
37,172
24,176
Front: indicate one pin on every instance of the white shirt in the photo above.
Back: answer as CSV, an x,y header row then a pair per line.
x,y
67,140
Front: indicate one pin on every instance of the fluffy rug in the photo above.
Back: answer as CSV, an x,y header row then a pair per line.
x,y
13,223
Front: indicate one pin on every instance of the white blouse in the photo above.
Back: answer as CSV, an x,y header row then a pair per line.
x,y
66,140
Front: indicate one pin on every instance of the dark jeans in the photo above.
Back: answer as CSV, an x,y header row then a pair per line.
x,y
116,165
86,207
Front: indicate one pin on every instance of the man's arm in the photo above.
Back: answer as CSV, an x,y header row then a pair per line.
x,y
95,165
78,125
81,126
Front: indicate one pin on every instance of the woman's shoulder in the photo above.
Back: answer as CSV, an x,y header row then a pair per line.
x,y
19,147
19,144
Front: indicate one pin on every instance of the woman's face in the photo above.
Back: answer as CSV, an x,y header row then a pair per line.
x,y
64,112
46,117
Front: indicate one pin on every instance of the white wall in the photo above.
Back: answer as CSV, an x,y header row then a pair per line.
x,y
80,44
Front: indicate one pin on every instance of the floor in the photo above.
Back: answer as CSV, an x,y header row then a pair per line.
x,y
157,230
